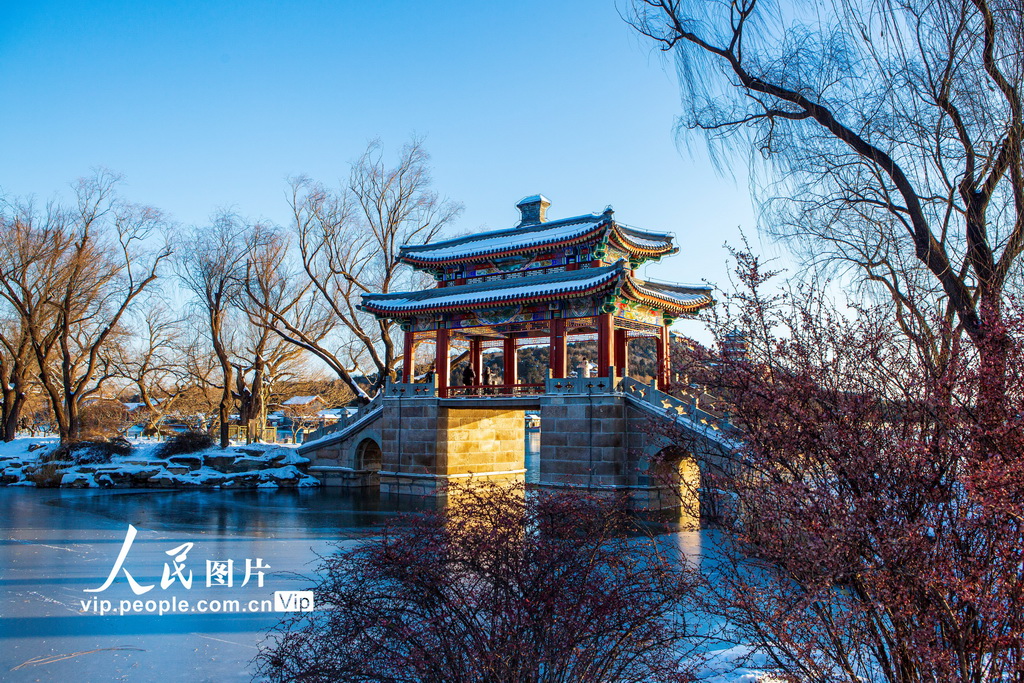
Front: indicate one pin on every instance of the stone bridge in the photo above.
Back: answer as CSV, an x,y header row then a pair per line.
x,y
599,433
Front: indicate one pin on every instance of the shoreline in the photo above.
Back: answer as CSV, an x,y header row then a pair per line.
x,y
25,462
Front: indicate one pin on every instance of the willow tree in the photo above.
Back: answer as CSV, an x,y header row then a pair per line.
x,y
70,275
346,244
211,265
891,136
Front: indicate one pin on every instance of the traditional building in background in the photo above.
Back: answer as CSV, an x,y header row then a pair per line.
x,y
540,282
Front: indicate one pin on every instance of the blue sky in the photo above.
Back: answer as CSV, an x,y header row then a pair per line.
x,y
212,104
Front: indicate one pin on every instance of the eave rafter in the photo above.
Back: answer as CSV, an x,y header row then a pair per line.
x,y
642,244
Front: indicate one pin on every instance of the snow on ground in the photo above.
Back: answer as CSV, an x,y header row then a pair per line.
x,y
23,462
27,447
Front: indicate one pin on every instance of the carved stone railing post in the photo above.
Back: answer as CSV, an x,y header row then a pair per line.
x,y
671,406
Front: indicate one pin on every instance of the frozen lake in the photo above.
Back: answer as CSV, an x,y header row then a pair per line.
x,y
57,543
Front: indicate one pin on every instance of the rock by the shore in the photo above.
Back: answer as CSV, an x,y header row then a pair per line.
x,y
23,462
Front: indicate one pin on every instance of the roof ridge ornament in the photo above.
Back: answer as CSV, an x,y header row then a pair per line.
x,y
533,210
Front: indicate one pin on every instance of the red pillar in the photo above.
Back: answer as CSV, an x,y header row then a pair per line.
x,y
664,355
511,361
605,340
476,358
408,362
621,353
442,363
556,351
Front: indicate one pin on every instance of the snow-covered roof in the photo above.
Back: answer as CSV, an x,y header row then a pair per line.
x,y
506,241
681,298
548,286
681,292
534,237
500,292
645,240
533,199
300,400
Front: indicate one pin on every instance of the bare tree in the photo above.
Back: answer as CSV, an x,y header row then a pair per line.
x,y
348,243
501,586
154,362
16,371
263,360
892,133
869,531
29,247
211,266
271,292
71,276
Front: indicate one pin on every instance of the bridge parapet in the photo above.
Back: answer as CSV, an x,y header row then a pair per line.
x,y
343,423
342,428
410,390
579,385
671,406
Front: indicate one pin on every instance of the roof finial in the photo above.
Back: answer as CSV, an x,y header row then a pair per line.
x,y
533,209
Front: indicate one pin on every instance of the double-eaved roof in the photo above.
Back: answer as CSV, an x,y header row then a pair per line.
x,y
599,259
592,227
673,299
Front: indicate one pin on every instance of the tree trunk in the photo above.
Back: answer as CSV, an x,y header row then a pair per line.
x,y
74,420
59,415
226,400
12,413
14,400
993,344
216,321
257,403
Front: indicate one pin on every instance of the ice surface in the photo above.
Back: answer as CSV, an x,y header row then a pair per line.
x,y
59,542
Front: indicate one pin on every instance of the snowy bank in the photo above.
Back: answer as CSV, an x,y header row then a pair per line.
x,y
29,462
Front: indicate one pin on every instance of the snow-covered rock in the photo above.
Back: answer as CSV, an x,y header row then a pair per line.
x,y
23,463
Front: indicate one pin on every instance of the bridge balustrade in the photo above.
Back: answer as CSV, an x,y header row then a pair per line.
x,y
666,404
344,422
671,405
493,390
579,385
411,389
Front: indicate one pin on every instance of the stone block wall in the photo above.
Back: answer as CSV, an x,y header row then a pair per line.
x,y
604,443
426,444
583,441
480,440
342,453
410,435
601,441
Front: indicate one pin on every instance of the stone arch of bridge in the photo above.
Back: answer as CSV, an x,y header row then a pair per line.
x,y
665,459
366,451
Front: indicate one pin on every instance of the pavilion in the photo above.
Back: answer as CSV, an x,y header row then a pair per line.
x,y
540,282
